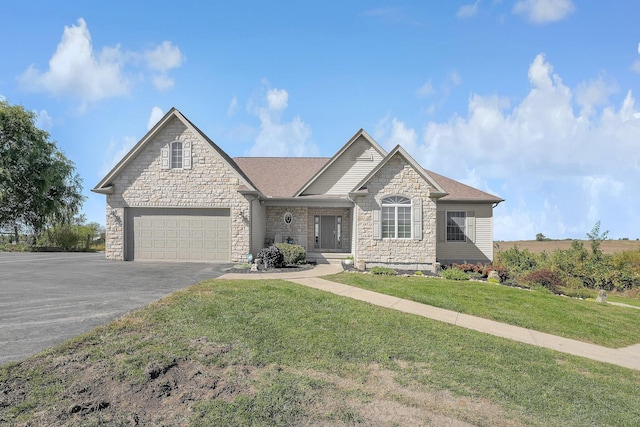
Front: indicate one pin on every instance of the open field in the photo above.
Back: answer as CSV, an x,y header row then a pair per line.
x,y
272,353
535,246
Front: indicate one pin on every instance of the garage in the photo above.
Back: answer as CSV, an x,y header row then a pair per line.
x,y
178,234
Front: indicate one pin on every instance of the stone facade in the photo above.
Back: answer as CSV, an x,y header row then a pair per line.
x,y
396,178
297,229
210,183
301,229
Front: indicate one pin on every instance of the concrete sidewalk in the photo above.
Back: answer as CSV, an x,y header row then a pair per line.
x,y
628,357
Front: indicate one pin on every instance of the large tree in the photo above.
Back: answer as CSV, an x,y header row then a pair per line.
x,y
39,186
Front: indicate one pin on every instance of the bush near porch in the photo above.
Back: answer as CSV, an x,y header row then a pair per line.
x,y
293,254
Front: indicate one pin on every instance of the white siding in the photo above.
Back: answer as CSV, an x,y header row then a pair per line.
x,y
347,170
480,248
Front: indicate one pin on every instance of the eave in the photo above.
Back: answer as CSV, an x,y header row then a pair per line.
x,y
106,189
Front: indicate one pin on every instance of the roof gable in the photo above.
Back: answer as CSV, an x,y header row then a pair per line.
x,y
339,165
105,185
398,150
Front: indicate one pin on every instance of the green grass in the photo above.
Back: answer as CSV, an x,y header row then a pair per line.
x,y
289,331
625,300
586,321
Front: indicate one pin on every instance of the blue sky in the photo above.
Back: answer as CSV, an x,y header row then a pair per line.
x,y
531,100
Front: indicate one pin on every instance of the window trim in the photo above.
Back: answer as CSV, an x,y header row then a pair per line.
x,y
399,202
464,229
173,159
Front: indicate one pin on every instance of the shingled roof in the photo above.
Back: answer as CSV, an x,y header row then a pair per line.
x,y
282,176
461,192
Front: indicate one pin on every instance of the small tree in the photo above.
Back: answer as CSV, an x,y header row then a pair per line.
x,y
540,237
596,238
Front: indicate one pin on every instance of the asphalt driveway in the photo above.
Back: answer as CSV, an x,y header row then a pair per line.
x,y
47,298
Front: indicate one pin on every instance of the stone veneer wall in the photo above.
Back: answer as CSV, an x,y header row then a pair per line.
x,y
208,184
276,225
397,177
303,224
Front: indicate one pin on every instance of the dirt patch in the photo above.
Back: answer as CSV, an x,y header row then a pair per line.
x,y
381,398
91,394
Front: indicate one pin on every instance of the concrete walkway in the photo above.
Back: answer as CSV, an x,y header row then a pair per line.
x,y
628,357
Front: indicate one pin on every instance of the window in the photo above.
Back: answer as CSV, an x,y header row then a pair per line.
x,y
396,218
176,155
456,224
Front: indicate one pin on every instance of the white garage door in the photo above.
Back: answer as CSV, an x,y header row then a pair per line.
x,y
156,234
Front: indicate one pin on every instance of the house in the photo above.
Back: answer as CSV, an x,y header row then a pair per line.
x,y
177,196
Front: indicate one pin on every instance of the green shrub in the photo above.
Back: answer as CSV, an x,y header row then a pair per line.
x,y
418,273
627,260
271,257
546,278
293,254
517,261
454,274
383,271
493,280
64,236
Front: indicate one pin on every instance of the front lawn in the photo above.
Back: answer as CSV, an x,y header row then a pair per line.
x,y
272,353
587,321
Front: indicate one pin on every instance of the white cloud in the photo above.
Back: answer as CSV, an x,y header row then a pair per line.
x,y
164,57
233,107
468,10
162,82
426,90
598,189
156,115
636,64
278,138
453,80
394,132
44,121
595,93
116,150
562,158
77,70
278,99
544,11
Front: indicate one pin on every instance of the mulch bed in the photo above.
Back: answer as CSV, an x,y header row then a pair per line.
x,y
285,269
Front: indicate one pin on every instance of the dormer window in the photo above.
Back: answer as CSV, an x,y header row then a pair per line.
x,y
176,155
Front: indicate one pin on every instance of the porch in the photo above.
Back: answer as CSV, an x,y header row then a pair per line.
x,y
320,230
